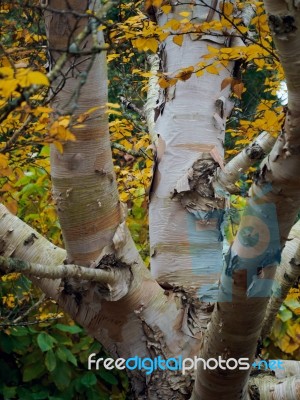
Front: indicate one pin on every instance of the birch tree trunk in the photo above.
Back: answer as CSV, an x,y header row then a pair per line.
x,y
251,262
185,215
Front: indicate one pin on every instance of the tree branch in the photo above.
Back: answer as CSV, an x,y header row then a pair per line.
x,y
131,106
251,154
135,153
77,272
30,309
152,97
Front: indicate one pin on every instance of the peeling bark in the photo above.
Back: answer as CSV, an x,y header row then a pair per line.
x,y
191,128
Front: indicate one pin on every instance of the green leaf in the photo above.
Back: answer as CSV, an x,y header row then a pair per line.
x,y
61,375
40,395
9,392
6,343
19,331
33,371
292,303
85,343
55,398
45,341
62,338
89,379
68,328
108,377
61,354
24,394
21,345
66,355
285,314
30,358
50,360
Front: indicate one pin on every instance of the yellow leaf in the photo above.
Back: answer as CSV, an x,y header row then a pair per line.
x,y
173,24
37,78
231,152
212,49
243,29
64,121
228,9
12,205
111,57
152,44
178,39
7,72
157,3
200,72
212,70
59,146
184,13
113,112
259,62
27,78
166,9
146,44
112,105
3,161
41,109
124,196
7,87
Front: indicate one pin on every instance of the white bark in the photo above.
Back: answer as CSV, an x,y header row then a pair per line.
x,y
191,126
9,265
240,163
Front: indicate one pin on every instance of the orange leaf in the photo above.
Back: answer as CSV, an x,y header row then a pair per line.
x,y
226,82
185,73
238,89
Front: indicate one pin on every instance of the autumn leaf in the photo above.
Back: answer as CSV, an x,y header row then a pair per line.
x,y
212,70
227,9
178,39
166,9
165,82
3,161
26,77
184,13
238,89
59,146
226,82
146,44
185,73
